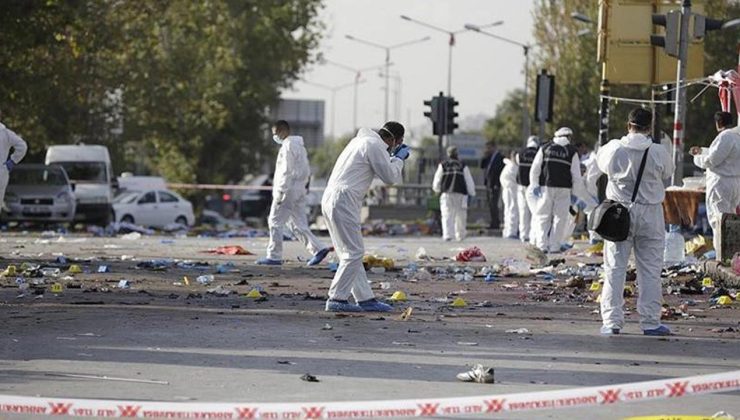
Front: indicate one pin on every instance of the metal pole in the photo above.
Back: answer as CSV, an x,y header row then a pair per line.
x,y
604,113
449,65
680,118
333,117
354,109
526,131
387,71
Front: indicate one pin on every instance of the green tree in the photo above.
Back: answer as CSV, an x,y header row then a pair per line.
x,y
323,158
506,126
187,84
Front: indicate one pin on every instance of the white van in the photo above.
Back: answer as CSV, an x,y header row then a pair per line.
x,y
89,169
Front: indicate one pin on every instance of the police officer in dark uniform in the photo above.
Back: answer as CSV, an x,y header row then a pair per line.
x,y
492,165
524,160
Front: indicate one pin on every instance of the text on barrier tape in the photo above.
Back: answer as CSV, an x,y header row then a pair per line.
x,y
566,398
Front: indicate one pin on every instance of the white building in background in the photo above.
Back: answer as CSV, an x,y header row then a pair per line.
x,y
306,119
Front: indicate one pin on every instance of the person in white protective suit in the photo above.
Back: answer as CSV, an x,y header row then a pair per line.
x,y
366,156
509,196
9,140
722,163
524,202
620,160
288,208
454,182
556,170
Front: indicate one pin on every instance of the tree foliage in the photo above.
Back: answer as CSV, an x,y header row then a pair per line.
x,y
572,59
177,88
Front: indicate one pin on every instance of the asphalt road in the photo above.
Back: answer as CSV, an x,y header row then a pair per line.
x,y
177,342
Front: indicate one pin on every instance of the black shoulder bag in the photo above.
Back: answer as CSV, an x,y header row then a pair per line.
x,y
611,219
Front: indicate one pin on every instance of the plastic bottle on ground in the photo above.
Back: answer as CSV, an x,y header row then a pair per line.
x,y
675,245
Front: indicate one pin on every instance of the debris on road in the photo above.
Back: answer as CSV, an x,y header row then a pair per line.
x,y
309,378
472,254
479,374
229,250
518,331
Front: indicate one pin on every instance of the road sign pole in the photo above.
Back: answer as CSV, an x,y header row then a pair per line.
x,y
680,119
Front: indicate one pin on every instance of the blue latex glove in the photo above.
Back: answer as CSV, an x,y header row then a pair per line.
x,y
573,199
537,191
9,164
403,152
580,205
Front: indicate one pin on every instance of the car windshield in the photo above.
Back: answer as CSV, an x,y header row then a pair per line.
x,y
126,197
37,176
93,172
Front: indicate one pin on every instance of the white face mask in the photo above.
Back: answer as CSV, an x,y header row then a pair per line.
x,y
277,139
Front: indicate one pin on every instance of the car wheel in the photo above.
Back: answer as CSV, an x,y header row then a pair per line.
x,y
182,220
127,219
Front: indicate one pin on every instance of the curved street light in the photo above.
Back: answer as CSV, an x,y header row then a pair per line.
x,y
387,49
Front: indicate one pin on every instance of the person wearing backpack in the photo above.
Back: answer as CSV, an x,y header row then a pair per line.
x,y
620,160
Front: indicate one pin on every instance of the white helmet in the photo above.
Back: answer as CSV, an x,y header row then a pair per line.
x,y
564,132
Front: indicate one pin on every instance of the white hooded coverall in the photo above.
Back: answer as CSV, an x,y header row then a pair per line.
x,y
365,157
289,199
453,206
509,196
551,212
722,163
8,140
620,160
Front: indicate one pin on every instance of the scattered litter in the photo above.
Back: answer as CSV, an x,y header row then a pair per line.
x,y
514,267
57,288
472,254
406,314
377,270
403,343
372,261
219,291
9,272
124,284
133,236
478,374
399,296
229,250
309,378
333,267
595,286
50,272
254,294
285,362
707,282
327,327
103,269
384,285
421,254
458,303
518,331
467,343
205,279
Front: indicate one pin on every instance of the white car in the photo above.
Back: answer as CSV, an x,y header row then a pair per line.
x,y
155,208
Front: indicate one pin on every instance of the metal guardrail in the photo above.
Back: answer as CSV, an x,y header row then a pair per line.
x,y
411,195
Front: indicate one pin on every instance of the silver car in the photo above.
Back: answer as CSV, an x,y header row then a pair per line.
x,y
40,193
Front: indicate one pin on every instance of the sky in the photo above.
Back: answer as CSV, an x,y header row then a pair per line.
x,y
484,69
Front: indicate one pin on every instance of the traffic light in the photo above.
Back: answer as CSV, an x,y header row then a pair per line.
x,y
703,24
450,114
672,22
436,107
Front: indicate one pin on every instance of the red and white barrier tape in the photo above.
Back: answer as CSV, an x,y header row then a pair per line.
x,y
566,398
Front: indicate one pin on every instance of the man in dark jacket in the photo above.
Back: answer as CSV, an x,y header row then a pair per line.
x,y
492,165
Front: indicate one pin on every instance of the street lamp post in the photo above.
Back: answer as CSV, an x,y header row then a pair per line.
x,y
358,75
334,90
526,130
387,49
451,42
